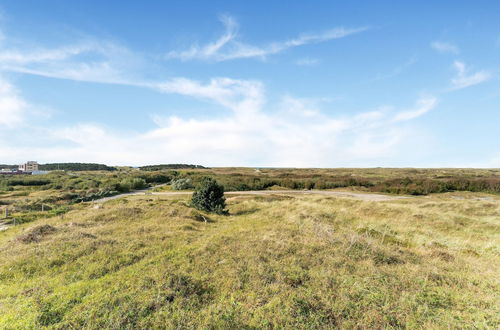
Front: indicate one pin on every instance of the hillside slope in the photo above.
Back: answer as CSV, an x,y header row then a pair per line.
x,y
275,261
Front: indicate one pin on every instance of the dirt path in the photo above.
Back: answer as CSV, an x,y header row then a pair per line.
x,y
362,196
137,192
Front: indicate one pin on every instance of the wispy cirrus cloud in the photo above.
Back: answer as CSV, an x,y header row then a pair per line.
x,y
42,55
463,79
423,105
229,47
445,47
88,60
212,48
109,63
252,132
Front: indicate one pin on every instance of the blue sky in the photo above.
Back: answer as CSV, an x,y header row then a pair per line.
x,y
260,83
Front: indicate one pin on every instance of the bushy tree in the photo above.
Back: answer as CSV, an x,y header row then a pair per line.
x,y
209,196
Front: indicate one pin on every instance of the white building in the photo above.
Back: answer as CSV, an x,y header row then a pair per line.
x,y
30,166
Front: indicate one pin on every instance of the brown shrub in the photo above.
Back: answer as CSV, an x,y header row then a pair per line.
x,y
36,234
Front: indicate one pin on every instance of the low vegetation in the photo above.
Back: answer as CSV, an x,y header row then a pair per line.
x,y
27,196
209,196
181,184
394,181
279,261
169,167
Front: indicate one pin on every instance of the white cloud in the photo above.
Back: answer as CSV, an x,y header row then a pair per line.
x,y
242,96
299,107
12,106
15,56
445,47
423,106
298,134
295,132
212,48
463,80
228,47
86,60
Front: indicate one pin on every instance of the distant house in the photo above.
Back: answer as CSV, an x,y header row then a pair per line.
x,y
30,166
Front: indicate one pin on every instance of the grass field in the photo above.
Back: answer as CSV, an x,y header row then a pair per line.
x,y
58,190
274,262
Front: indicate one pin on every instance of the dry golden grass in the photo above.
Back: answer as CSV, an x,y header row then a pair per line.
x,y
275,261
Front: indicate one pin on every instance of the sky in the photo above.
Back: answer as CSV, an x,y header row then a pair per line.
x,y
251,83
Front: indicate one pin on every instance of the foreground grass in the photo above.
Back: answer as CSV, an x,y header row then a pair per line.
x,y
276,261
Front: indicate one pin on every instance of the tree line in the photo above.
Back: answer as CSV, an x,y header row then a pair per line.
x,y
76,167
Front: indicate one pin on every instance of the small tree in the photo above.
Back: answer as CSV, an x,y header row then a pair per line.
x,y
209,196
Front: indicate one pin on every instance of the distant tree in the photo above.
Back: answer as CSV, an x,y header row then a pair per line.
x,y
209,196
76,167
169,166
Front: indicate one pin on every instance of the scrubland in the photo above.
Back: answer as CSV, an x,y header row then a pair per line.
x,y
279,261
26,195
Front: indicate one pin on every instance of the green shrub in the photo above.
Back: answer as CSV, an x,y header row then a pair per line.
x,y
209,196
131,184
156,177
182,184
138,183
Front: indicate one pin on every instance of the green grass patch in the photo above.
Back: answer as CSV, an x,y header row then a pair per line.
x,y
303,262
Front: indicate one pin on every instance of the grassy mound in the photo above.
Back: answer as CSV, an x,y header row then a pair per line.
x,y
36,234
294,262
